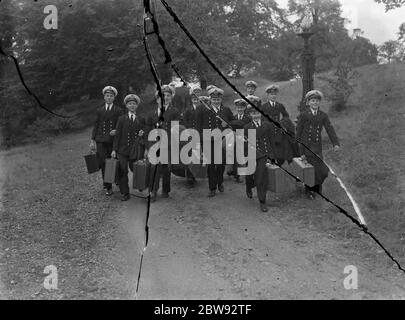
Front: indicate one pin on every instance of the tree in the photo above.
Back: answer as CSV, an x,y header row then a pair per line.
x,y
391,4
391,51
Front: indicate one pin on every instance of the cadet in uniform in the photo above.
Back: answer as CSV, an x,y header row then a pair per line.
x,y
264,151
309,132
190,120
207,119
129,141
170,114
181,97
239,120
104,130
251,87
278,113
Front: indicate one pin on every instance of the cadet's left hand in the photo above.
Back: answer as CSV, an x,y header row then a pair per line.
x,y
224,124
140,133
336,148
145,155
113,132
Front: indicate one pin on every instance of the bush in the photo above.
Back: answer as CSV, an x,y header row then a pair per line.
x,y
340,86
51,126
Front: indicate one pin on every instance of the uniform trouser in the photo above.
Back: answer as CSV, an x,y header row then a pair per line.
x,y
124,164
162,172
215,172
215,175
316,188
189,175
260,179
104,150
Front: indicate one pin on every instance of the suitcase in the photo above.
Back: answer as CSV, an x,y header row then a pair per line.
x,y
178,170
141,173
91,163
304,171
111,170
279,180
198,170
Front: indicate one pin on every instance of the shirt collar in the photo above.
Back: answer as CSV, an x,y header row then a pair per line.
x,y
314,111
108,107
131,114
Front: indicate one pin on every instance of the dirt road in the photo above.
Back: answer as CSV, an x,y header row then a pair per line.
x,y
226,248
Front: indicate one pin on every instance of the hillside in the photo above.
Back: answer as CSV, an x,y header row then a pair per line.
x,y
55,214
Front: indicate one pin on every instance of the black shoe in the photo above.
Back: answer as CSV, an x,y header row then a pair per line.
x,y
109,192
165,195
249,194
211,194
263,207
221,188
125,197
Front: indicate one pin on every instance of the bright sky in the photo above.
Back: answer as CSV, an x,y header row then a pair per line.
x,y
371,17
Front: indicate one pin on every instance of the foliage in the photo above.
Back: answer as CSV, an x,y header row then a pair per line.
x,y
392,51
99,43
391,4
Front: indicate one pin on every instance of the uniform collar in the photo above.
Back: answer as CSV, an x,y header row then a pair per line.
x,y
130,114
257,123
108,108
313,111
216,109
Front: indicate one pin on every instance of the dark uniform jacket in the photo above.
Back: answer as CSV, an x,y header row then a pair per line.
x,y
105,122
207,119
171,114
276,113
309,129
309,132
127,141
190,117
240,124
264,143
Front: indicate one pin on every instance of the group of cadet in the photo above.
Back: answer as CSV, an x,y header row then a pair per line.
x,y
123,135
